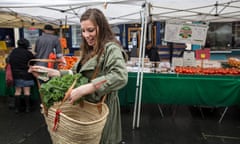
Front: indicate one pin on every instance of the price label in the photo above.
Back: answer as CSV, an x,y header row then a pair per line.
x,y
203,56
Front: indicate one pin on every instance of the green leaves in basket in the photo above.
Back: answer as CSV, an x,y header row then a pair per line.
x,y
54,90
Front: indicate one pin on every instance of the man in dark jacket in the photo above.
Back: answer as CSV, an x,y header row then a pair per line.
x,y
151,52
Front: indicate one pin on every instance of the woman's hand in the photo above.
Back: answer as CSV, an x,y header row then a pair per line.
x,y
81,91
84,90
37,70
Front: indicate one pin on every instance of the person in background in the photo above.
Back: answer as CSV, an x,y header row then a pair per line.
x,y
8,41
23,80
151,52
103,61
48,45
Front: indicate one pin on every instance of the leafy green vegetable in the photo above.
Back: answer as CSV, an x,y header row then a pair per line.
x,y
54,90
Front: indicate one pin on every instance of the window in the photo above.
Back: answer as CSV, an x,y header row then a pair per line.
x,y
76,36
219,36
236,35
31,34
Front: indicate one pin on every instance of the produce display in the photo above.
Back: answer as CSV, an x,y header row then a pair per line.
x,y
233,62
3,56
70,61
207,71
2,62
55,89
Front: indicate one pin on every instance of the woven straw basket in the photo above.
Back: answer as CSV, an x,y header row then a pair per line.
x,y
77,125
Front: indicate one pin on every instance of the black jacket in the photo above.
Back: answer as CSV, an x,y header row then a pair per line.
x,y
18,59
152,54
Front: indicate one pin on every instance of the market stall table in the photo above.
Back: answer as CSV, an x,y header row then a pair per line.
x,y
200,90
204,90
197,90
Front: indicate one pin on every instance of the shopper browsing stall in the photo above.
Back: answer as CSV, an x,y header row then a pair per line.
x,y
46,45
23,80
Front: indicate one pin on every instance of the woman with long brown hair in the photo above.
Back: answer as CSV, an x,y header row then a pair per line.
x,y
102,59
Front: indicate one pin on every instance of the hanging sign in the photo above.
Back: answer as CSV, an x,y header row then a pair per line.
x,y
186,33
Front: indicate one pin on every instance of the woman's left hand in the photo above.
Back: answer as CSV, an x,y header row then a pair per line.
x,y
80,91
84,90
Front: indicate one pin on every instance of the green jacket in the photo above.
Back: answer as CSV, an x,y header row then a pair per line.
x,y
112,67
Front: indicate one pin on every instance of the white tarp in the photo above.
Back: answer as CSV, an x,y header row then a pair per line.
x,y
125,11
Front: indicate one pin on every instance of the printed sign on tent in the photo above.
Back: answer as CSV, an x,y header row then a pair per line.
x,y
186,33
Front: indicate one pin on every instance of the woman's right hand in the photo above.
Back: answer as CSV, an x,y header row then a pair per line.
x,y
36,70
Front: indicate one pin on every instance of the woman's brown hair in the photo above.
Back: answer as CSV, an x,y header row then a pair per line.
x,y
104,34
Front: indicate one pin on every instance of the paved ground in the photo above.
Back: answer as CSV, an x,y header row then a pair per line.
x,y
187,126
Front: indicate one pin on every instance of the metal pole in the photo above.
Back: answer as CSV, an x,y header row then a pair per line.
x,y
143,42
137,83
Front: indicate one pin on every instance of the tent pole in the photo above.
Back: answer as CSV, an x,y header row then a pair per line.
x,y
138,77
143,43
137,104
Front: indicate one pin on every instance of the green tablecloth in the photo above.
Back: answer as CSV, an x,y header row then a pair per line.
x,y
4,91
184,89
171,89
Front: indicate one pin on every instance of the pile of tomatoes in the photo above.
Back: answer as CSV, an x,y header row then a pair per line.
x,y
207,71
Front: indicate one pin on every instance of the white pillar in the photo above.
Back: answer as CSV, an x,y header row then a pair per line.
x,y
16,35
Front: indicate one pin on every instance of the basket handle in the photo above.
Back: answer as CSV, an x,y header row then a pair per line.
x,y
100,104
44,60
45,109
68,93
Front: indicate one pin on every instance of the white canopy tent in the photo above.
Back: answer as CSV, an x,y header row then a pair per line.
x,y
123,11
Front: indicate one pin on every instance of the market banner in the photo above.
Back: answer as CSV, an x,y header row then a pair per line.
x,y
186,33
